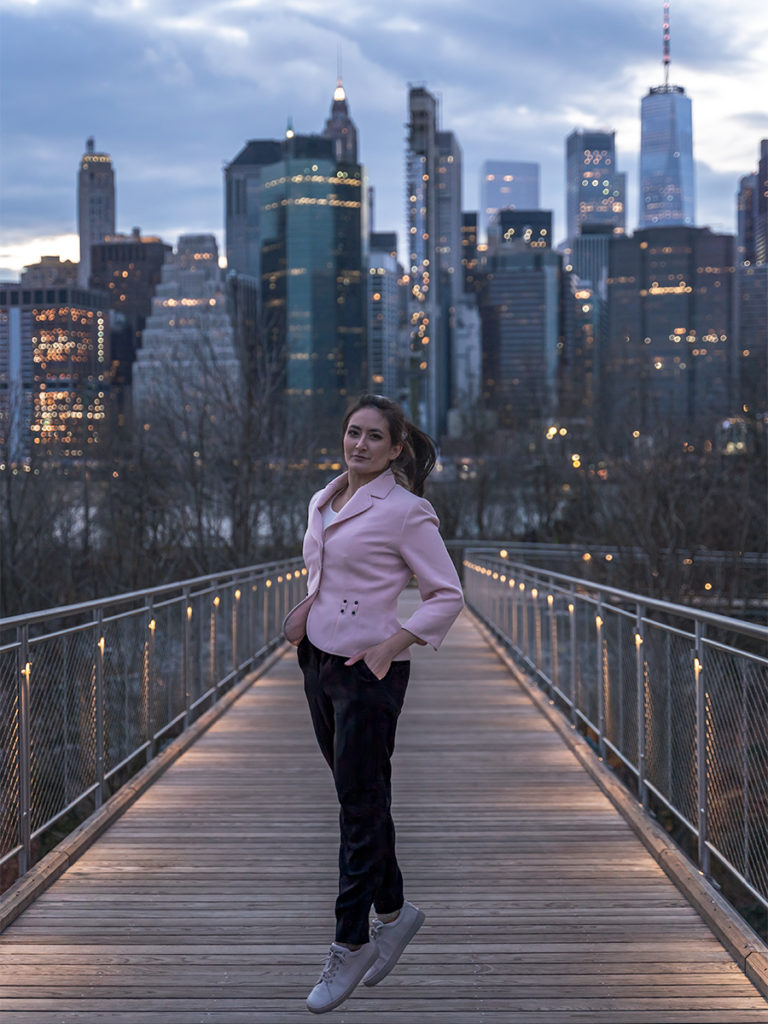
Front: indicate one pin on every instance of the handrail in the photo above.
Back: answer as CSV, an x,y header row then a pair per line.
x,y
685,611
675,697
62,611
554,550
93,695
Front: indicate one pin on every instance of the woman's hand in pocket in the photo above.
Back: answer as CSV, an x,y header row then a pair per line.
x,y
379,657
376,658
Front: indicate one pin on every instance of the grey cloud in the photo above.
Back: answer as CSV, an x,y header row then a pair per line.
x,y
172,104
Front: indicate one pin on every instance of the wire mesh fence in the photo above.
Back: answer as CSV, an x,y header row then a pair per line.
x,y
674,697
91,692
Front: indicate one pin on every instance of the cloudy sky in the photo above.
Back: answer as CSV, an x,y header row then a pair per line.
x,y
173,88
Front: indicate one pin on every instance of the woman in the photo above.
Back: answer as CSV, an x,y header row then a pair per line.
x,y
369,531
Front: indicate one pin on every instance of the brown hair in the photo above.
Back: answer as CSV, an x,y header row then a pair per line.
x,y
417,459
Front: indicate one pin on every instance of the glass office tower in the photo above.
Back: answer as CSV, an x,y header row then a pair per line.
x,y
667,194
669,356
313,301
506,185
594,187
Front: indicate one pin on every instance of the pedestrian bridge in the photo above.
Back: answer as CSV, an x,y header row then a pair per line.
x,y
209,896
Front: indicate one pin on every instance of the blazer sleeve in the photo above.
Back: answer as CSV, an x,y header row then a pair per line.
x,y
423,551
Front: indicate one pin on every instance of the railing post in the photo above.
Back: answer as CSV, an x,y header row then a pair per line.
x,y
283,604
572,620
98,696
235,615
513,611
25,752
620,681
745,775
669,725
601,678
255,599
250,591
150,670
186,658
213,660
642,791
702,756
553,675
537,625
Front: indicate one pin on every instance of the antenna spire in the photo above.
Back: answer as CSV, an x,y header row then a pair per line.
x,y
666,43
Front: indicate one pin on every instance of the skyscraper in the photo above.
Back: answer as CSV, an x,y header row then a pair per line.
x,y
752,212
242,204
430,364
469,249
578,367
95,205
746,219
313,293
667,193
187,353
54,371
243,181
128,268
341,128
595,189
506,185
751,287
385,357
449,183
520,309
669,355
532,228
761,231
50,272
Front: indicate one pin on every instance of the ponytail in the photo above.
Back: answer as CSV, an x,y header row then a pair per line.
x,y
417,459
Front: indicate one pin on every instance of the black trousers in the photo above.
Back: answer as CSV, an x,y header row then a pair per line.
x,y
355,717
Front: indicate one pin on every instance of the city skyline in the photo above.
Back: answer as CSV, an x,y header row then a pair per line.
x,y
185,88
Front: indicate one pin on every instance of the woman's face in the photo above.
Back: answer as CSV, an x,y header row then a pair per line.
x,y
368,448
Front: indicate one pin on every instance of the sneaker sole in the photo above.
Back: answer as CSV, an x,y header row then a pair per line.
x,y
337,1002
392,962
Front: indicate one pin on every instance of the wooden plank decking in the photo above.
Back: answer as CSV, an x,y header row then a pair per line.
x,y
211,900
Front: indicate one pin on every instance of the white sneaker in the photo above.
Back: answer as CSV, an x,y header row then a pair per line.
x,y
391,940
341,975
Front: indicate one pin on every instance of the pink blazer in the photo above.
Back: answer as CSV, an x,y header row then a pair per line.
x,y
360,565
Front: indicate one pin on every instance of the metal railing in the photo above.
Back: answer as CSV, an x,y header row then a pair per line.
x,y
730,582
90,692
677,696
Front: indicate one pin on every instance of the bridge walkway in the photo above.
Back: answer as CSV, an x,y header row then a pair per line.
x,y
211,899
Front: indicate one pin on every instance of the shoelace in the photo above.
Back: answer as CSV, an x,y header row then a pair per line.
x,y
332,964
376,926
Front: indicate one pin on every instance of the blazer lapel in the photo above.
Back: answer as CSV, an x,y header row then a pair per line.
x,y
359,502
362,500
316,522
